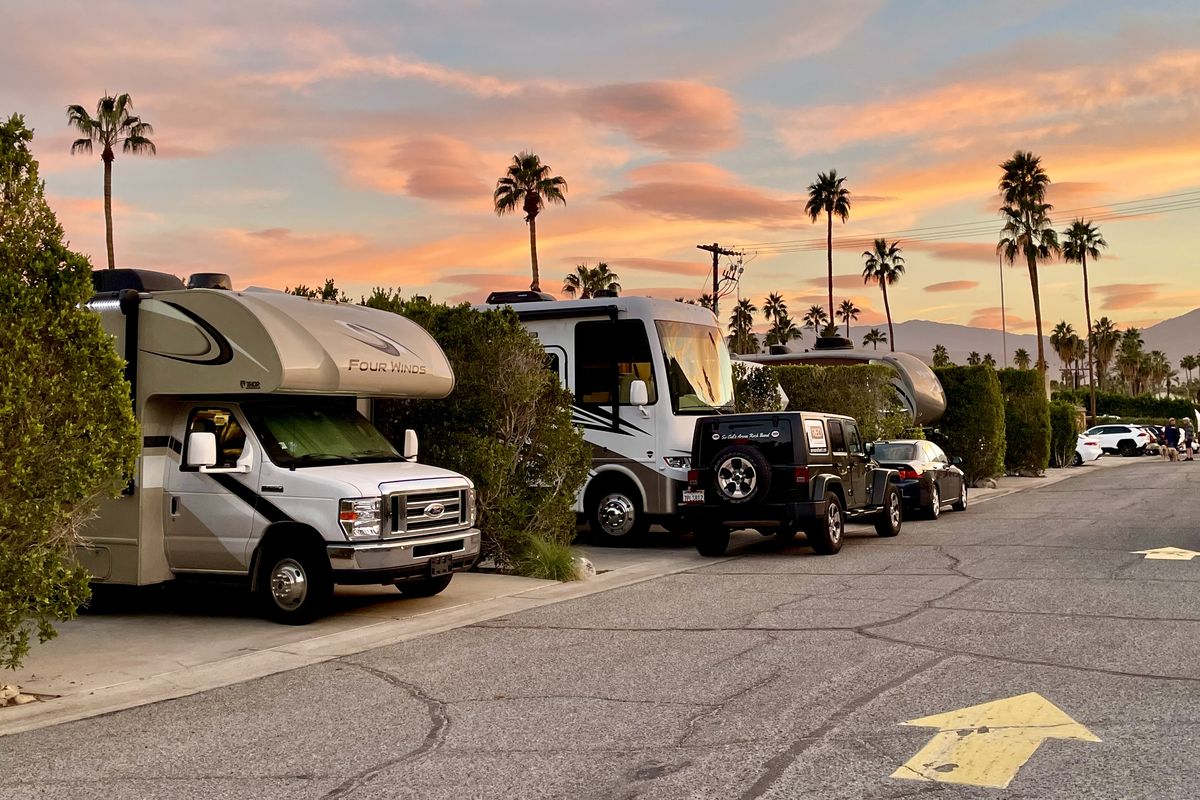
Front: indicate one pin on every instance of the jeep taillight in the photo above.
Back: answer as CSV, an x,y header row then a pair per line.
x,y
907,474
801,476
693,478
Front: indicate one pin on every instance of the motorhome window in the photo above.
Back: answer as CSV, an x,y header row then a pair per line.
x,y
699,374
837,440
318,433
609,354
552,362
231,438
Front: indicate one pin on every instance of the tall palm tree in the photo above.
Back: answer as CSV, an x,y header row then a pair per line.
x,y
1027,230
884,265
1060,340
1021,358
741,324
1079,351
586,281
875,337
1079,241
828,196
848,312
1105,337
1130,357
528,184
941,356
814,318
113,125
774,307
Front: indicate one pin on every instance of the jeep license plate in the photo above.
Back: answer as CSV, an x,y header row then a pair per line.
x,y
440,565
693,497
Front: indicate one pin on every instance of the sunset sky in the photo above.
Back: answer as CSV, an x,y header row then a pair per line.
x,y
362,140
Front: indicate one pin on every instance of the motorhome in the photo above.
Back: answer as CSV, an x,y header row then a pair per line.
x,y
641,371
256,462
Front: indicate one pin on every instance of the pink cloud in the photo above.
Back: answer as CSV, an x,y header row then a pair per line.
x,y
981,252
952,286
1119,296
991,318
675,116
430,167
843,281
687,190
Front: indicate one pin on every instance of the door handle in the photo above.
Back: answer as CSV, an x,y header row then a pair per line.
x,y
174,506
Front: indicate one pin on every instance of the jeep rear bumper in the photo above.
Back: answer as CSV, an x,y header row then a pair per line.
x,y
753,515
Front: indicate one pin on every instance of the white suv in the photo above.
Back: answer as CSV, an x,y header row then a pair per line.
x,y
1128,440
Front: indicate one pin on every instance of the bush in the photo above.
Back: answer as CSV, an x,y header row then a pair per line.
x,y
507,426
1026,421
973,426
863,391
67,430
755,388
546,559
1143,406
1064,433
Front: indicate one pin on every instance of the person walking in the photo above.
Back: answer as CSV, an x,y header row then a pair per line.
x,y
1171,438
1189,440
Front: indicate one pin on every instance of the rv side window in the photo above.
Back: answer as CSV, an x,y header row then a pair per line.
x,y
231,438
608,354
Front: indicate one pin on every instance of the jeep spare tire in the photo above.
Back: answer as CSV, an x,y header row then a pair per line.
x,y
741,474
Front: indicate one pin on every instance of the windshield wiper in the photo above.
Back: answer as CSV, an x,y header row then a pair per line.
x,y
313,458
385,455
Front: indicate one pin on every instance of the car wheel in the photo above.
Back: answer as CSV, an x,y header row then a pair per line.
x,y
741,474
295,584
1127,449
826,534
935,502
888,522
961,503
426,587
1078,460
615,516
712,542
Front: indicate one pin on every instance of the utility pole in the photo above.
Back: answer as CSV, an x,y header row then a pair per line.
x,y
1003,315
717,251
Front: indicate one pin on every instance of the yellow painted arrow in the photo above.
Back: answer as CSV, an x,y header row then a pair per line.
x,y
1168,553
985,745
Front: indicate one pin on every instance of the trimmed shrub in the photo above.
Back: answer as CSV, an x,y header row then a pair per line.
x,y
1026,421
862,391
755,388
973,426
507,426
1143,406
1064,433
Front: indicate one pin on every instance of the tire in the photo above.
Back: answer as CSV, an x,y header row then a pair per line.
x,y
741,474
961,503
1127,449
1077,461
891,517
825,535
712,542
426,587
935,502
295,583
615,515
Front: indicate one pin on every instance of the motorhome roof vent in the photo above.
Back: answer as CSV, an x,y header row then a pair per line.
x,y
833,343
605,293
210,280
140,280
522,296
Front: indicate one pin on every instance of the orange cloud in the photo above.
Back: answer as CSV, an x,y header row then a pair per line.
x,y
685,190
1118,296
675,116
952,286
844,281
991,318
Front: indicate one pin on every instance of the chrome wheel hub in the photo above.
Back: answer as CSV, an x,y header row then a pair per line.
x,y
289,584
894,508
834,521
617,515
736,478
935,502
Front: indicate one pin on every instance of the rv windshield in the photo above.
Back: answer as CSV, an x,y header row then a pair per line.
x,y
309,434
698,370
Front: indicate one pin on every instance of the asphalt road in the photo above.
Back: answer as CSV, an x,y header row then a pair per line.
x,y
778,674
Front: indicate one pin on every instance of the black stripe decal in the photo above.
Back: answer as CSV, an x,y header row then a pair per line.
x,y
262,506
224,350
152,442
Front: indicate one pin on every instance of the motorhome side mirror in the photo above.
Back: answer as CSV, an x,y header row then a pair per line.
x,y
870,448
410,445
639,394
956,460
202,449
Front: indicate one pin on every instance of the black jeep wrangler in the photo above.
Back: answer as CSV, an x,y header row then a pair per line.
x,y
781,473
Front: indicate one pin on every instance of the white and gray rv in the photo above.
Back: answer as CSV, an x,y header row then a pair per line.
x,y
256,461
642,371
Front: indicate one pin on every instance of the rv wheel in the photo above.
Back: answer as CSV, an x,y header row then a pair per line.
x,y
615,515
295,583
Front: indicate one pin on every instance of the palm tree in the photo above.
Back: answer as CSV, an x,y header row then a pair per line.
x,y
815,318
783,330
884,265
828,195
113,125
973,359
876,337
941,356
706,301
741,323
989,361
1129,358
1105,337
774,307
1027,230
1080,240
1079,350
586,281
1021,358
1187,364
528,183
848,312
1060,340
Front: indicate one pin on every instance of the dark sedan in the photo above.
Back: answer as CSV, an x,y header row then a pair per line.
x,y
928,480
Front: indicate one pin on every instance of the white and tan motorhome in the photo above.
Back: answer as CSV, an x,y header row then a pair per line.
x,y
256,460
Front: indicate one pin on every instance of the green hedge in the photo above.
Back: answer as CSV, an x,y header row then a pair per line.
x,y
755,388
1064,432
1120,405
1026,420
864,392
973,426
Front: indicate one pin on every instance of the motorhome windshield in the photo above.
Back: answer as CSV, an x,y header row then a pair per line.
x,y
698,369
308,434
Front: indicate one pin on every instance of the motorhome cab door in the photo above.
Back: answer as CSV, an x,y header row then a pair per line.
x,y
609,356
209,513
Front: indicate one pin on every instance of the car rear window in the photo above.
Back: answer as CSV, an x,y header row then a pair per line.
x,y
894,452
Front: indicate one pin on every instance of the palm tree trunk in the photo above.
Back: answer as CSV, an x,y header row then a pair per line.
x,y
1087,305
536,285
887,309
1037,310
108,159
829,251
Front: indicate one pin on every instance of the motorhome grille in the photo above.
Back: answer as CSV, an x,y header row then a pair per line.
x,y
415,514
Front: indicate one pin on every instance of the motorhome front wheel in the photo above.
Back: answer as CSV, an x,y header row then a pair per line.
x,y
296,586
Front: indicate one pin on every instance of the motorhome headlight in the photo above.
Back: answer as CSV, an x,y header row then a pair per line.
x,y
471,509
361,517
678,462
